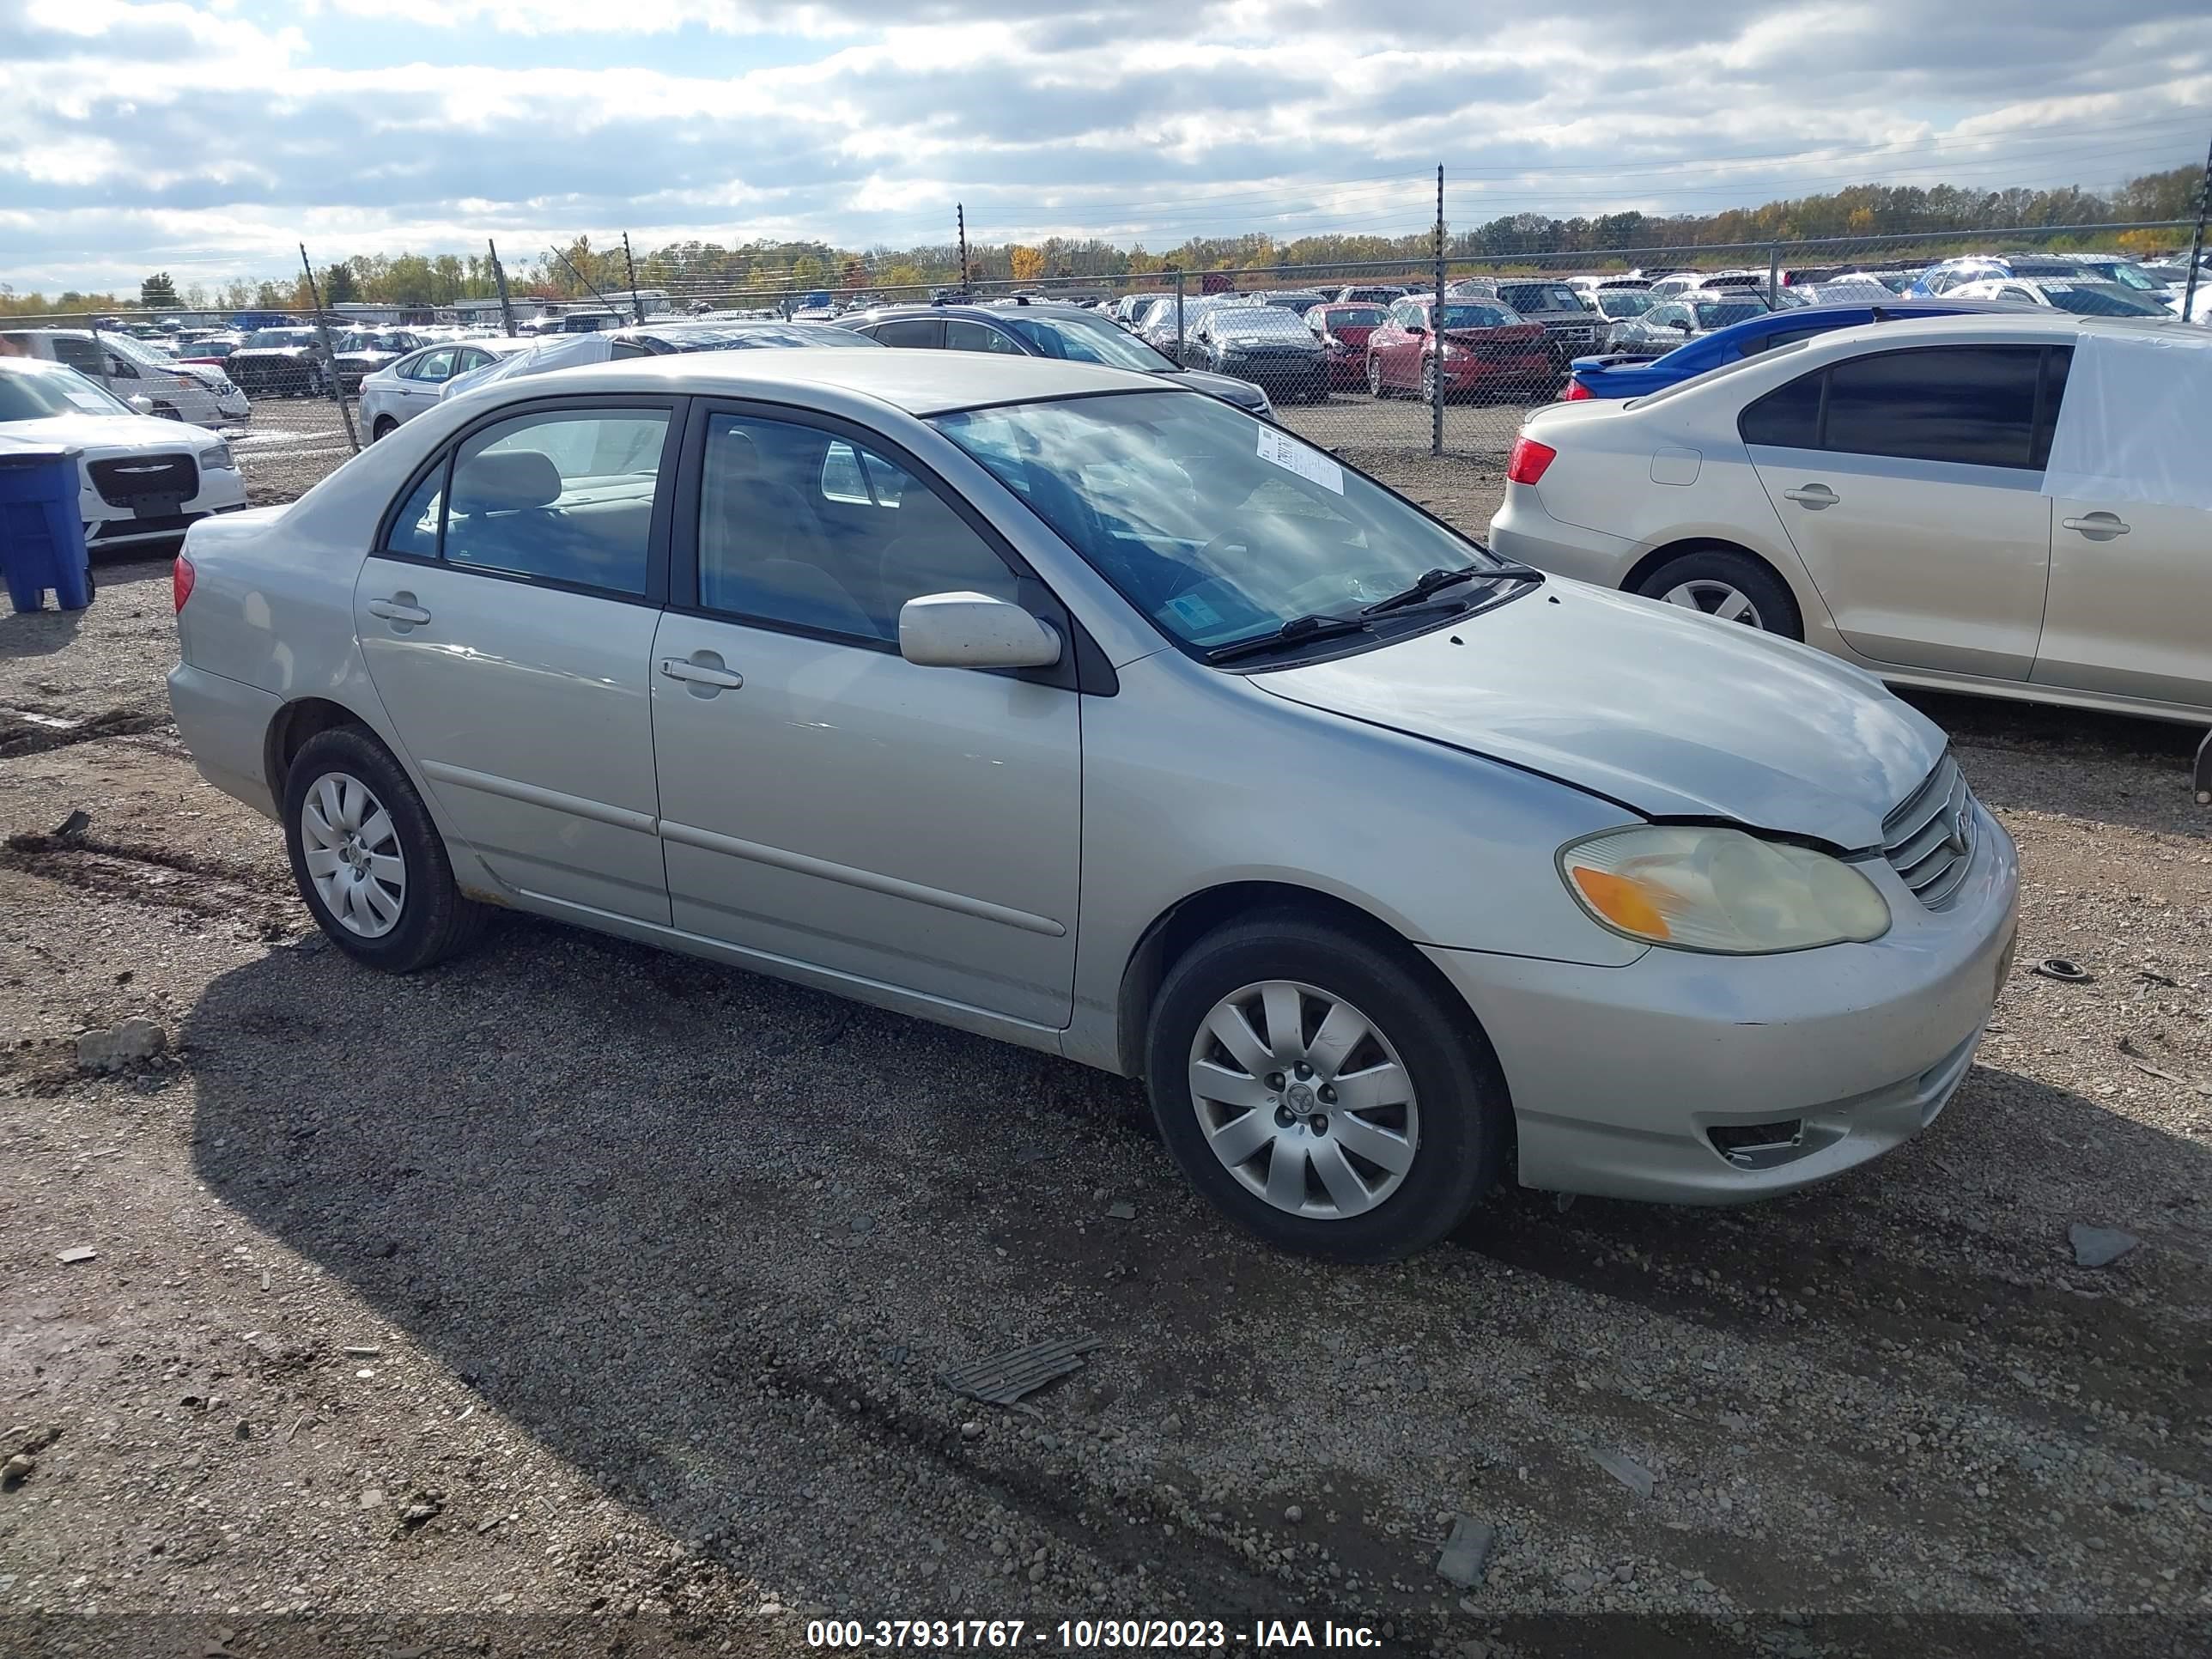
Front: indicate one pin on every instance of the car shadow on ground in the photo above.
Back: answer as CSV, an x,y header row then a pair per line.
x,y
619,1193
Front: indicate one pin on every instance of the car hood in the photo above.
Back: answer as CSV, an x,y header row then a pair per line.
x,y
1242,393
99,435
1673,715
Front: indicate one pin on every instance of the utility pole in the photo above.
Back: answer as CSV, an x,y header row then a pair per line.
x,y
1437,330
330,353
960,219
499,275
2197,242
637,305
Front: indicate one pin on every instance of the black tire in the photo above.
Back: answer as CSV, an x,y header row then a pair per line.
x,y
1429,384
1375,389
384,426
1769,594
1465,1125
435,921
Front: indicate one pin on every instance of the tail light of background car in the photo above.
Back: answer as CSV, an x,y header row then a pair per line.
x,y
181,577
1528,461
1575,392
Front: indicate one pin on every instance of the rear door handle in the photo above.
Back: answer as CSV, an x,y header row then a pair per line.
x,y
400,608
704,672
2098,526
1814,496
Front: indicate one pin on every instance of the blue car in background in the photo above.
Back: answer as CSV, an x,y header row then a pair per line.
x,y
1631,377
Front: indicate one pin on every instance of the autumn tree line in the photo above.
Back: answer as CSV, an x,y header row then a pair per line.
x,y
705,270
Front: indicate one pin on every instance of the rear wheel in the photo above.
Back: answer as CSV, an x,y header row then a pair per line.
x,y
368,859
384,426
1323,1091
1728,585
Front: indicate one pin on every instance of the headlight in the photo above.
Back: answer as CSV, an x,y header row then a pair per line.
x,y
216,458
1719,890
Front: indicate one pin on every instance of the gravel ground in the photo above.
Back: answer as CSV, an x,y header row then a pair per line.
x,y
574,1296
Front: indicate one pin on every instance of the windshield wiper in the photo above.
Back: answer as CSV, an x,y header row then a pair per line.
x,y
1431,581
1293,632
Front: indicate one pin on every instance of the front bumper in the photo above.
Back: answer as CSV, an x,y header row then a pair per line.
x,y
107,526
1620,1077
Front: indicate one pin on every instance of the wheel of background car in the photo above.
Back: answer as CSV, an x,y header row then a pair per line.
x,y
368,859
1429,381
1375,387
384,426
1323,1091
1730,585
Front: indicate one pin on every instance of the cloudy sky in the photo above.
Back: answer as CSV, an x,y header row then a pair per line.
x,y
210,137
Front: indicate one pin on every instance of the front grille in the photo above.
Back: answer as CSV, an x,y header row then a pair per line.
x,y
1930,840
145,480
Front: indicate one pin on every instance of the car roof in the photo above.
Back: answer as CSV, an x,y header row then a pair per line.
x,y
981,313
921,383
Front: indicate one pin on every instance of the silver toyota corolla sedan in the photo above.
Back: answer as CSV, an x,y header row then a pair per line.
x,y
1042,700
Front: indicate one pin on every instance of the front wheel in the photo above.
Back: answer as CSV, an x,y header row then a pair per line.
x,y
368,857
1728,585
1323,1092
1374,388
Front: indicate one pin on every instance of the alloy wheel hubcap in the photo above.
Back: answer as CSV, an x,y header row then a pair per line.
x,y
1717,599
1303,1100
353,855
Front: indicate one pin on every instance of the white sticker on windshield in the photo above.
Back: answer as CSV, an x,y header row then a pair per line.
x,y
1194,611
1287,453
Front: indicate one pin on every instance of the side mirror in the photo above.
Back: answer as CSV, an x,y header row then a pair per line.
x,y
142,403
973,630
1417,328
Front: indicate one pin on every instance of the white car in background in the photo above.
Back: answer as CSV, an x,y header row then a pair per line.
x,y
2011,503
140,478
397,392
2083,299
132,369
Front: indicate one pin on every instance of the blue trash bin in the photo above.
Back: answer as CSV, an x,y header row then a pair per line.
x,y
41,535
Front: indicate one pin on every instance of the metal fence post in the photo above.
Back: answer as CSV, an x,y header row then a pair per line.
x,y
330,353
1178,350
1773,275
637,305
1435,340
499,275
2197,242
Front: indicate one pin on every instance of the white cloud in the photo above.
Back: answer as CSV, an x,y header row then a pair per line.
x,y
134,135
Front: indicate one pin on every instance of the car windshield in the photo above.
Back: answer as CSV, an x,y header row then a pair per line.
x,y
46,392
1461,315
1084,340
1236,322
1353,317
1539,296
2128,273
1216,526
2100,300
1624,302
265,338
1720,313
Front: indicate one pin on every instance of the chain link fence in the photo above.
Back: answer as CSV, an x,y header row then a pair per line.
x,y
1360,357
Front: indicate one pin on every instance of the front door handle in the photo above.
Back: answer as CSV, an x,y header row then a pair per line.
x,y
2098,526
702,671
1813,495
399,608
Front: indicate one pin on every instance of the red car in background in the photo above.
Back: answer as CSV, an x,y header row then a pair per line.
x,y
1487,352
1342,331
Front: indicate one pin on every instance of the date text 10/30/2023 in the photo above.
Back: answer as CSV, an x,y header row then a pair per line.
x,y
1086,1635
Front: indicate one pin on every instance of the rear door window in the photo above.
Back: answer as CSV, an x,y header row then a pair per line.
x,y
562,496
960,335
1973,406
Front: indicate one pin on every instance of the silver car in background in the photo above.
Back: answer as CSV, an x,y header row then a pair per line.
x,y
1050,703
395,394
2011,503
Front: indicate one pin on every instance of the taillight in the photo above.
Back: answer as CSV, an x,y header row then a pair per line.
x,y
1575,392
181,577
1528,461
